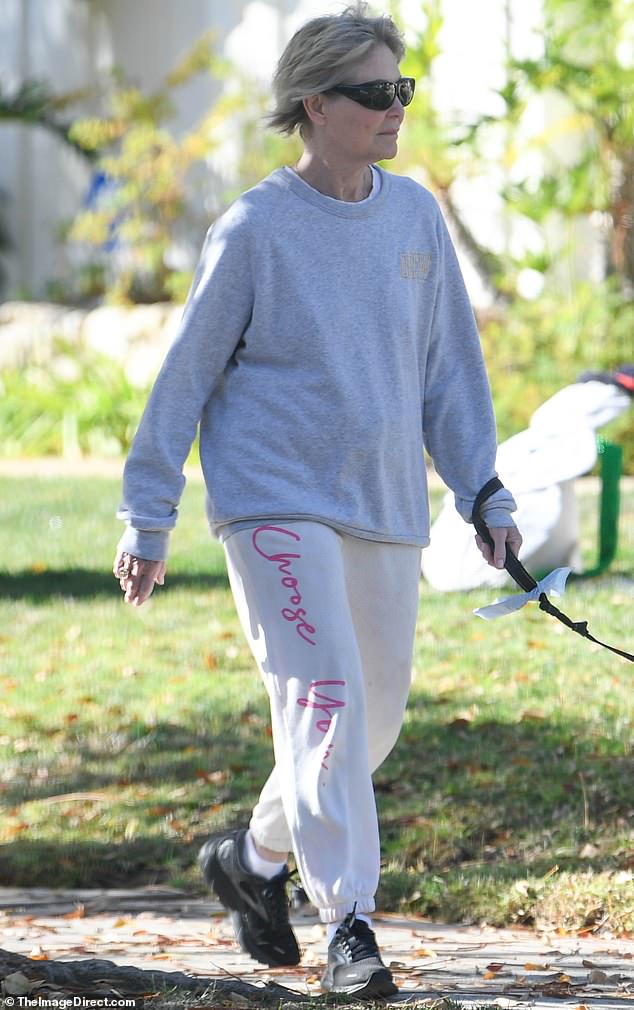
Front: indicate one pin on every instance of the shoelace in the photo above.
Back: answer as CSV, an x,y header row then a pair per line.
x,y
525,580
357,937
274,893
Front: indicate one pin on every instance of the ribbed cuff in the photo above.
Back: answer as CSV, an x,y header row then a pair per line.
x,y
496,515
497,507
151,545
337,913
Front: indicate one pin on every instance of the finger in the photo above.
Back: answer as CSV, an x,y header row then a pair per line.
x,y
499,536
125,565
118,563
139,589
484,548
140,584
514,541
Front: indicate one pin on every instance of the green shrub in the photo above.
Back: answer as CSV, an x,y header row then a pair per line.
x,y
80,403
533,348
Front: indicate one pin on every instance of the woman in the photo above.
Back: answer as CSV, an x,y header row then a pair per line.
x,y
327,339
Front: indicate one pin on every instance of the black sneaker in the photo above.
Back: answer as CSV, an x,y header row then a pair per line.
x,y
259,907
354,962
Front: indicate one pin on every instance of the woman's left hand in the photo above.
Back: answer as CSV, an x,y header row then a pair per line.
x,y
501,536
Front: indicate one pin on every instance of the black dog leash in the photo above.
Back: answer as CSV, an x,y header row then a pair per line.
x,y
524,579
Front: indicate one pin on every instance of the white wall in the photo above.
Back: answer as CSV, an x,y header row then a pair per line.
x,y
73,43
43,178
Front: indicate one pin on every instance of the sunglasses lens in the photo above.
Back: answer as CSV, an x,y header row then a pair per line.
x,y
405,90
381,96
378,97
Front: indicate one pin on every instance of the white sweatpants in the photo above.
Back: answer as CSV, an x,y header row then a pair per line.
x,y
330,619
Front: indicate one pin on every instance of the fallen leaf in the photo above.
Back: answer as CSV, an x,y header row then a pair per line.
x,y
597,977
532,716
529,966
425,952
79,912
495,966
216,777
16,829
460,722
37,954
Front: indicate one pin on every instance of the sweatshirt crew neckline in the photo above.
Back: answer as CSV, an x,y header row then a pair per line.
x,y
340,208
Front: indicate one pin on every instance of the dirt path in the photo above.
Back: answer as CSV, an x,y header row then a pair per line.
x,y
158,929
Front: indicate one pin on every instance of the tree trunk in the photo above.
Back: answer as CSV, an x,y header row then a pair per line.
x,y
23,976
489,265
622,213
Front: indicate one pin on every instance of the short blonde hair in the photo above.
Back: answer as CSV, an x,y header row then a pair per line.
x,y
321,55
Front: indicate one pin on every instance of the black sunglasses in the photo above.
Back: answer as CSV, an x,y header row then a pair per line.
x,y
379,95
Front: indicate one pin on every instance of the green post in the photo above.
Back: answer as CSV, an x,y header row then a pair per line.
x,y
611,459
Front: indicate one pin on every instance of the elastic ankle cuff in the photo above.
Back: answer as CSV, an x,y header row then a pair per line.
x,y
337,913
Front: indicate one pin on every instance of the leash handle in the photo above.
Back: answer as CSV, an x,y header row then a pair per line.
x,y
513,565
524,579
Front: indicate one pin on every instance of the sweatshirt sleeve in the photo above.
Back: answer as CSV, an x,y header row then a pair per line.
x,y
216,315
458,421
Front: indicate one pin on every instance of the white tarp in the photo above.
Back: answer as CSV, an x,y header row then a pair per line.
x,y
539,466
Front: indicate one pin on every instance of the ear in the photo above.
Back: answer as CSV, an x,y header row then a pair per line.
x,y
315,108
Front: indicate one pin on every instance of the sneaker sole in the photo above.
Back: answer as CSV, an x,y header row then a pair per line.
x,y
380,983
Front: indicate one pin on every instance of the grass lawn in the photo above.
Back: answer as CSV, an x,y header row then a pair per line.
x,y
126,736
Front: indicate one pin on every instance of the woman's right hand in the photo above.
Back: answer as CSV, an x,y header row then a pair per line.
x,y
137,576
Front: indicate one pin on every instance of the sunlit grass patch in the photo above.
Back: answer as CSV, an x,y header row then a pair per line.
x,y
128,735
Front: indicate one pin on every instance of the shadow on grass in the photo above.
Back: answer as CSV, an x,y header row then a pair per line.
x,y
491,800
77,583
92,864
214,767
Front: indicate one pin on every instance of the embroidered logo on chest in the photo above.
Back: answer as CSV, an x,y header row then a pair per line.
x,y
415,265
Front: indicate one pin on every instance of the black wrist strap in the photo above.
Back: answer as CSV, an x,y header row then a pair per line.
x,y
523,578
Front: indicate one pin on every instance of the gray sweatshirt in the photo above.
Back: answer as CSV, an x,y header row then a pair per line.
x,y
323,346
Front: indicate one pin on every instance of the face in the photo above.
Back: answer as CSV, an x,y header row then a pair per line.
x,y
366,135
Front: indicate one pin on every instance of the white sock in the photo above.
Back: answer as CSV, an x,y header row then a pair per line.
x,y
332,927
255,862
